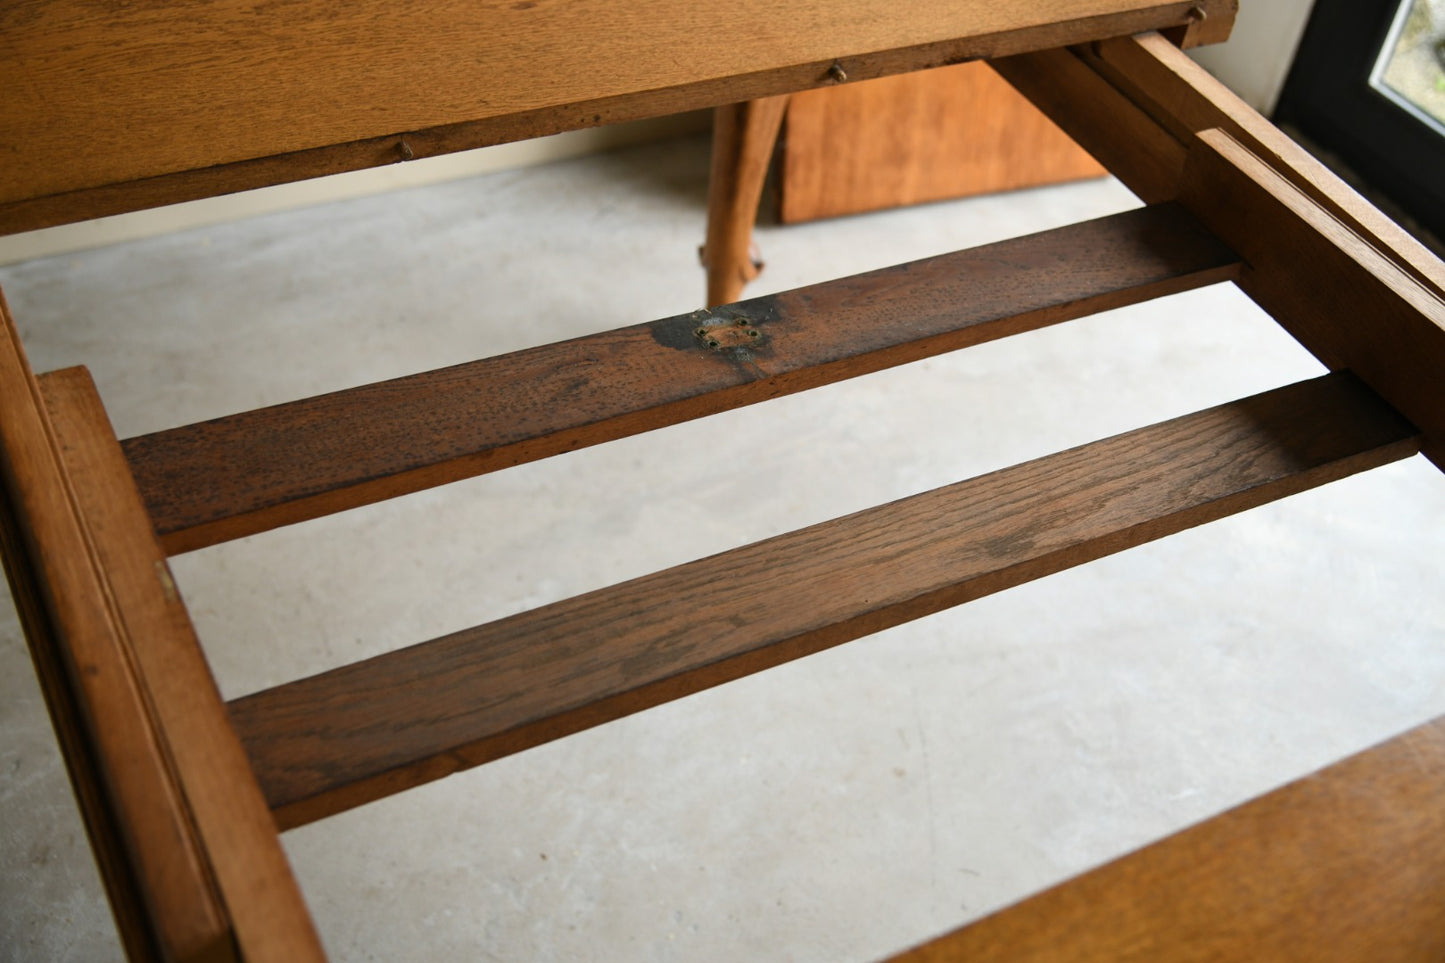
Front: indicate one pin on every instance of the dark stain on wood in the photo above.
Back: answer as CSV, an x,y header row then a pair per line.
x,y
246,473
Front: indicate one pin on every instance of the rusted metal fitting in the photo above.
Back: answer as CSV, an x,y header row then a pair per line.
x,y
723,333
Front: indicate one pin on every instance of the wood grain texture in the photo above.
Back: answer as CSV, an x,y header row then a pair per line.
x,y
1350,304
344,737
1186,99
246,473
743,137
153,862
1342,866
185,102
83,766
927,136
1323,262
216,792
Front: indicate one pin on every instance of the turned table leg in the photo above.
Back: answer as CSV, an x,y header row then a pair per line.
x,y
743,136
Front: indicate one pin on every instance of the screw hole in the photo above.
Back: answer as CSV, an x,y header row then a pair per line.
x,y
753,334
712,344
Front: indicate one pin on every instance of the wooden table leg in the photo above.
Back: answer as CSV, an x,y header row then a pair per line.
x,y
743,136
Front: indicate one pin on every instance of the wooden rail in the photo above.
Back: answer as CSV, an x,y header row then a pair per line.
x,y
182,793
188,851
332,741
125,106
1352,287
246,473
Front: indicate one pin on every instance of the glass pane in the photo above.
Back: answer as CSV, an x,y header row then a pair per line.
x,y
1411,66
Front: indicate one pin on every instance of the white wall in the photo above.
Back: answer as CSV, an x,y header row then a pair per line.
x,y
1256,59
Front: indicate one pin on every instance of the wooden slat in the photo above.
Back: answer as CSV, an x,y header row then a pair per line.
x,y
215,793
1342,866
362,731
185,101
234,476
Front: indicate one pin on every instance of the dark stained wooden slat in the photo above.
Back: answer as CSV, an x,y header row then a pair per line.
x,y
1345,865
246,473
335,740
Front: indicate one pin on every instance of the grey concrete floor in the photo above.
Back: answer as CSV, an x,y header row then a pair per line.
x,y
839,808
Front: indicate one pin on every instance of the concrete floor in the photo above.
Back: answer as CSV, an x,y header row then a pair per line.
x,y
840,808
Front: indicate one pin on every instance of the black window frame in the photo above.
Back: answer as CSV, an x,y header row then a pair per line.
x,y
1329,98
